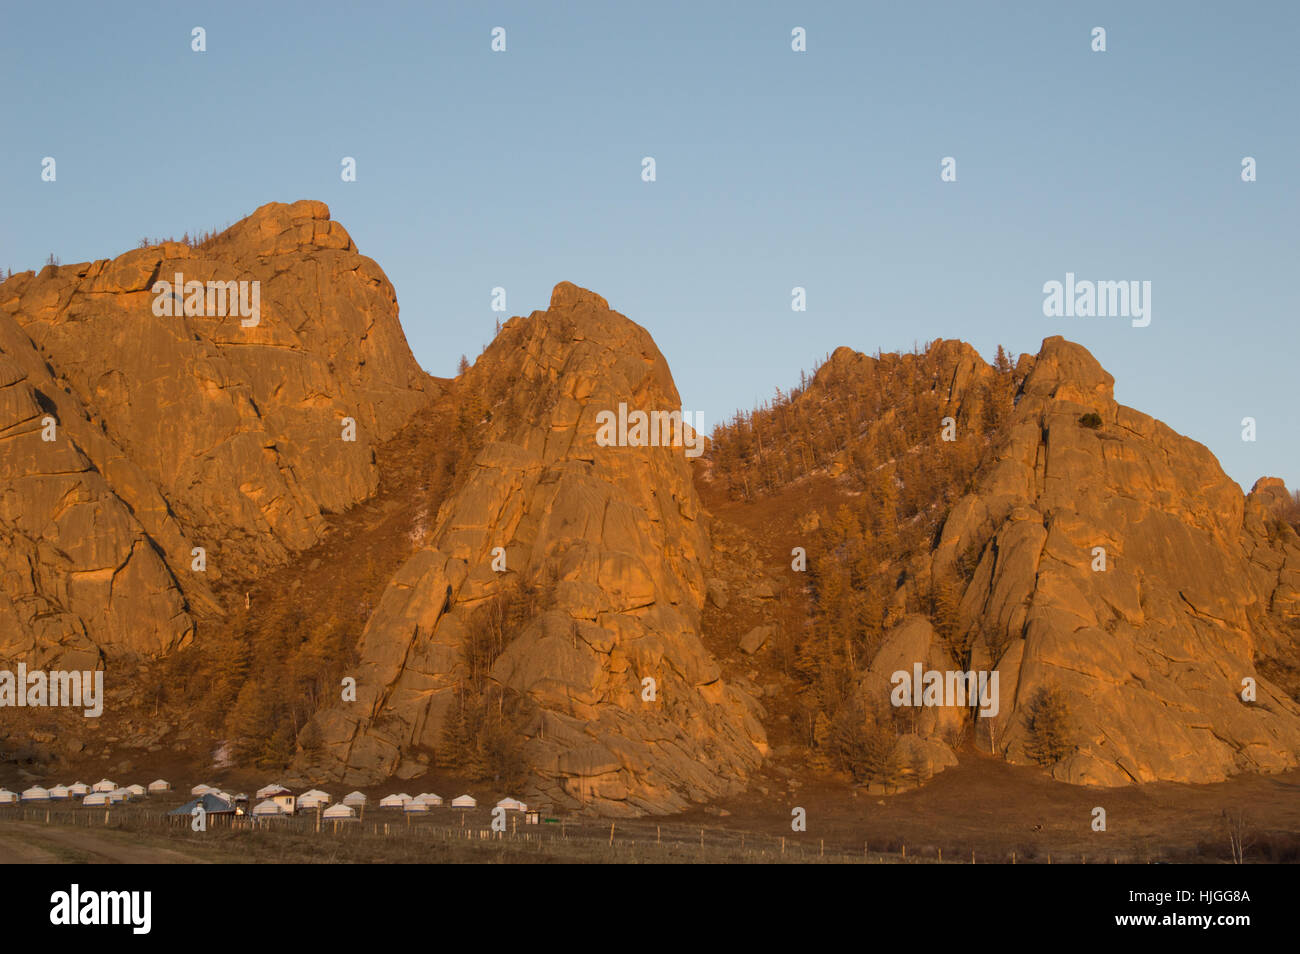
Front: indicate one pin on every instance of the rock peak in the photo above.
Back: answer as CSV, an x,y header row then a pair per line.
x,y
569,295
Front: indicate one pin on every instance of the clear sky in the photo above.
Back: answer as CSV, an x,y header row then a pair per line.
x,y
819,169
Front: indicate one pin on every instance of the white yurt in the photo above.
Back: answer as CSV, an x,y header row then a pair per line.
x,y
103,785
79,789
95,798
415,807
316,795
201,789
464,801
118,795
137,791
339,813
36,794
512,805
267,809
7,797
270,791
159,785
355,799
430,799
59,792
394,801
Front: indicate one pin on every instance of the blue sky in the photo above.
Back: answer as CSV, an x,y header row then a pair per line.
x,y
775,169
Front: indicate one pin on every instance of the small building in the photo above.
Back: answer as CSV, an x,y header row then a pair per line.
x,y
59,793
7,797
103,785
464,801
430,799
268,809
202,789
210,803
159,785
315,796
354,799
287,801
95,798
394,801
36,794
118,795
339,813
512,805
78,789
415,807
270,791
137,791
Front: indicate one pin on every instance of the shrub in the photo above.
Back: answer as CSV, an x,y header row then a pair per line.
x,y
1092,419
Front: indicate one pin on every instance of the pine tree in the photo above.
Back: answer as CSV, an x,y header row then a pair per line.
x,y
1047,719
1002,362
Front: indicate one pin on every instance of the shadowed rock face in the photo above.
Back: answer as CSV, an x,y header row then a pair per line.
x,y
1151,652
177,432
616,539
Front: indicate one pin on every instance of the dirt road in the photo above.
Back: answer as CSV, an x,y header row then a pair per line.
x,y
29,843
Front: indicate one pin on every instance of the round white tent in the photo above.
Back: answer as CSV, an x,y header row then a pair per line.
x,y
202,789
464,801
430,799
339,812
137,791
394,801
118,795
512,805
95,798
103,785
270,791
36,794
415,807
59,792
267,809
355,799
159,785
7,797
78,789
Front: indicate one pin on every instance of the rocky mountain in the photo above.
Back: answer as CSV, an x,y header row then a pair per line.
x,y
1075,546
1152,638
177,432
255,506
614,539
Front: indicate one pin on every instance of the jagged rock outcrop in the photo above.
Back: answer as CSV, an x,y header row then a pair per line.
x,y
130,437
615,539
177,431
1151,651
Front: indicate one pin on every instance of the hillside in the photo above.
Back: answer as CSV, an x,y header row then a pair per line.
x,y
618,629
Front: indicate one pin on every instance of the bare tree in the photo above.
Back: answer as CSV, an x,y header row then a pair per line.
x,y
1234,825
